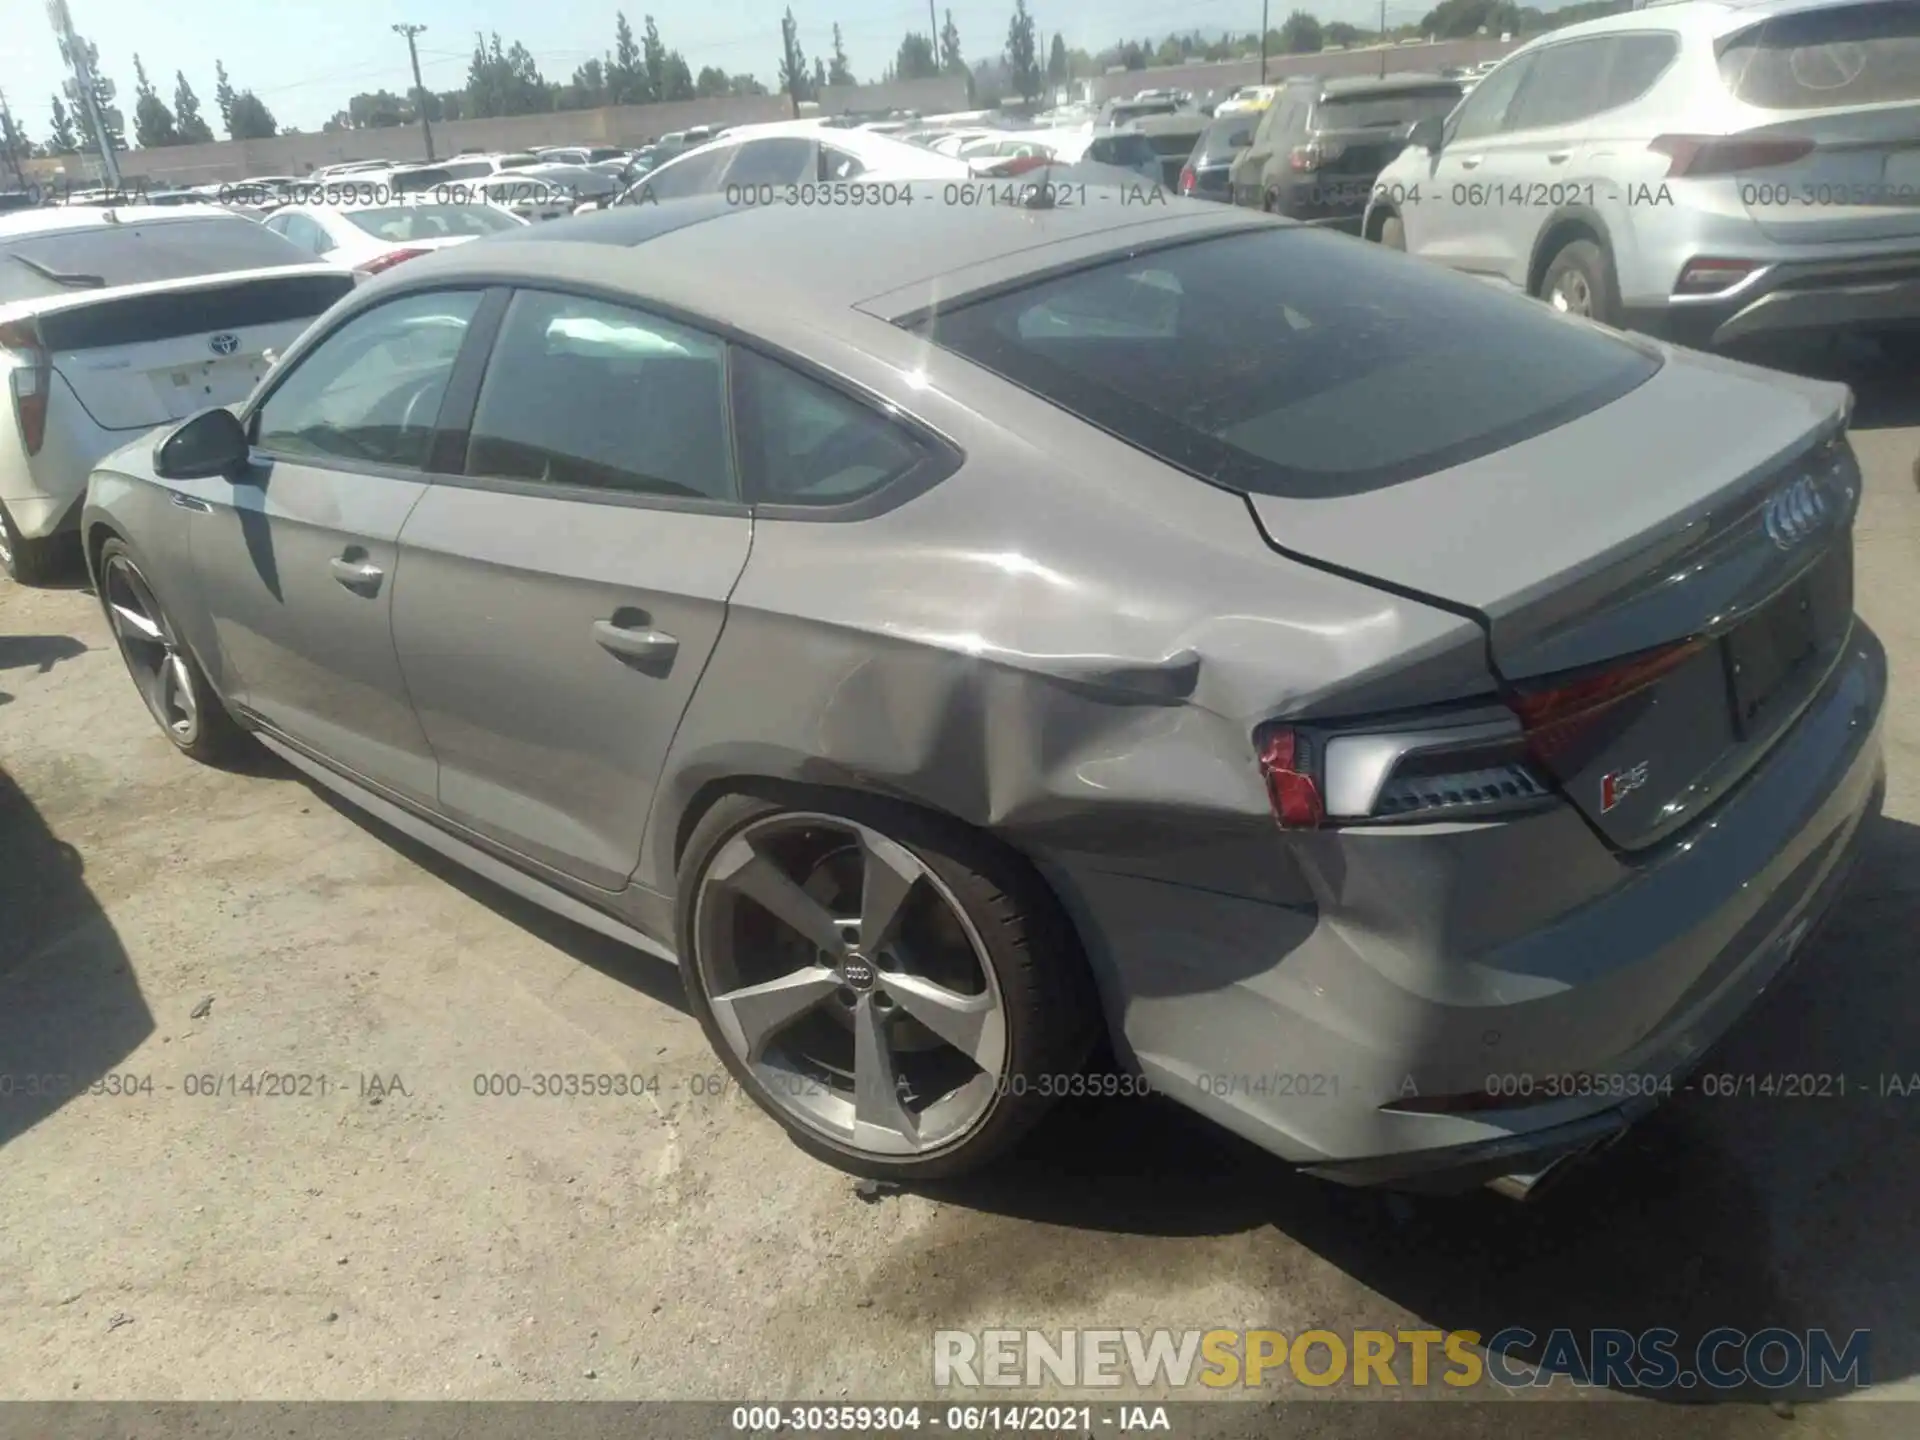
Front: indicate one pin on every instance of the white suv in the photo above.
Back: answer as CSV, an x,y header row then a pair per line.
x,y
1706,171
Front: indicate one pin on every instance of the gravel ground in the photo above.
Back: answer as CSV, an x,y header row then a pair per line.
x,y
385,1232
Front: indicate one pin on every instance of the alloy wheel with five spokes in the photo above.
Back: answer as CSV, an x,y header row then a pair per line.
x,y
163,670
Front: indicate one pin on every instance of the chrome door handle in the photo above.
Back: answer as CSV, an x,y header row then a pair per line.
x,y
357,575
189,502
1559,157
1471,162
635,644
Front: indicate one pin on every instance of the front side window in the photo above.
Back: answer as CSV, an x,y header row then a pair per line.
x,y
584,394
781,160
1485,110
1566,84
811,445
371,391
694,174
1281,361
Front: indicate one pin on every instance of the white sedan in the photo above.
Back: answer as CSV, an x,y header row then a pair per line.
x,y
373,237
751,158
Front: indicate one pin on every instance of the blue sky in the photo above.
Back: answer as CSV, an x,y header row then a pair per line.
x,y
306,57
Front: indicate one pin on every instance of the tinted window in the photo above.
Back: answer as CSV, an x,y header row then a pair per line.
x,y
1829,58
839,165
371,391
1217,143
62,262
1127,150
1386,112
1638,61
690,175
466,169
430,222
786,160
812,445
579,392
1567,83
1484,111
1294,362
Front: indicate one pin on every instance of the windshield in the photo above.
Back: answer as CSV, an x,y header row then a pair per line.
x,y
62,262
1386,112
1293,361
431,222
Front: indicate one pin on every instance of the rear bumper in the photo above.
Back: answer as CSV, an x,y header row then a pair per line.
x,y
1794,297
43,492
1296,1028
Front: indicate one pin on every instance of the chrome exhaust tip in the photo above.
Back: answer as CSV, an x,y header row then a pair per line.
x,y
1528,1184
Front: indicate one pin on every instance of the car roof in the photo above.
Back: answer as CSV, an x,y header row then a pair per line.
x,y
94,217
755,268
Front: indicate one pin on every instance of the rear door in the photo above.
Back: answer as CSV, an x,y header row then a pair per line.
x,y
1830,99
559,599
297,558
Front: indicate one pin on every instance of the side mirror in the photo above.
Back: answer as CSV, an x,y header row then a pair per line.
x,y
1427,134
211,443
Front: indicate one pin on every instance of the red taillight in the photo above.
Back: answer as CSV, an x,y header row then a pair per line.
x,y
1553,716
1695,155
1018,165
1188,180
1291,788
388,260
31,380
1711,276
1304,158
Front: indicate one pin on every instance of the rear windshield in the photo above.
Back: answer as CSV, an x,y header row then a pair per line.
x,y
1385,112
1217,144
431,222
1121,114
1827,59
65,262
1289,361
1122,150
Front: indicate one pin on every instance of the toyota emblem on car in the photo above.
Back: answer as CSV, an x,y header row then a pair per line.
x,y
225,343
1794,512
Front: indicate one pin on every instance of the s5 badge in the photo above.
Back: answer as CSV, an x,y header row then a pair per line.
x,y
1621,783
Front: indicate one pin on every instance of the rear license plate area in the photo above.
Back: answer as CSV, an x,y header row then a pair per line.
x,y
1768,658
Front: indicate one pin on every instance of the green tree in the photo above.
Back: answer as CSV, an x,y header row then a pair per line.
x,y
251,118
152,121
679,78
626,74
1059,68
1342,34
223,96
653,56
794,79
915,60
65,141
746,85
838,71
187,123
104,91
1023,68
588,87
819,76
711,82
1301,35
951,61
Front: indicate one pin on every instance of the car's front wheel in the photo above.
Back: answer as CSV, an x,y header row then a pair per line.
x,y
901,994
170,681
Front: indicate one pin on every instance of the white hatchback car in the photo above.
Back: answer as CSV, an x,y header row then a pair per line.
x,y
1706,171
376,236
113,321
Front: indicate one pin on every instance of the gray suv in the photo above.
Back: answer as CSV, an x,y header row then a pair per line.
x,y
1706,172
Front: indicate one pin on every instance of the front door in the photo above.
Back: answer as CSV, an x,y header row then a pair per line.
x,y
297,558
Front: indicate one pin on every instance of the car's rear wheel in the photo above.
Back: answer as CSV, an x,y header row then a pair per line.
x,y
1580,282
1393,233
30,562
902,995
170,681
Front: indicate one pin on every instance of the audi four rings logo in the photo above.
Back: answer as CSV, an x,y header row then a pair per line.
x,y
1794,512
225,343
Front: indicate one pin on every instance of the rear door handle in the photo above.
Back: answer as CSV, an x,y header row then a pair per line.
x,y
191,502
1559,157
360,576
633,643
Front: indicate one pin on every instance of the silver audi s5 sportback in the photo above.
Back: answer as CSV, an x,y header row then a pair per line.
x,y
1408,724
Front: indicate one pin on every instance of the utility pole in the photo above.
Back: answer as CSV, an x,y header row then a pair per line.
x,y
1383,39
419,90
75,50
1263,42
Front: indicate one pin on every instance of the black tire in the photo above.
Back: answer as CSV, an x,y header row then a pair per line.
x,y
31,562
213,737
1393,233
1052,1013
1583,265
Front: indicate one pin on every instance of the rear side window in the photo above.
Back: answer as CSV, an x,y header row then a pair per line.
x,y
1827,59
1294,362
810,445
690,175
783,160
1638,61
584,394
63,262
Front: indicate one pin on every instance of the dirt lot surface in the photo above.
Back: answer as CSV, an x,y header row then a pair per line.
x,y
386,1232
